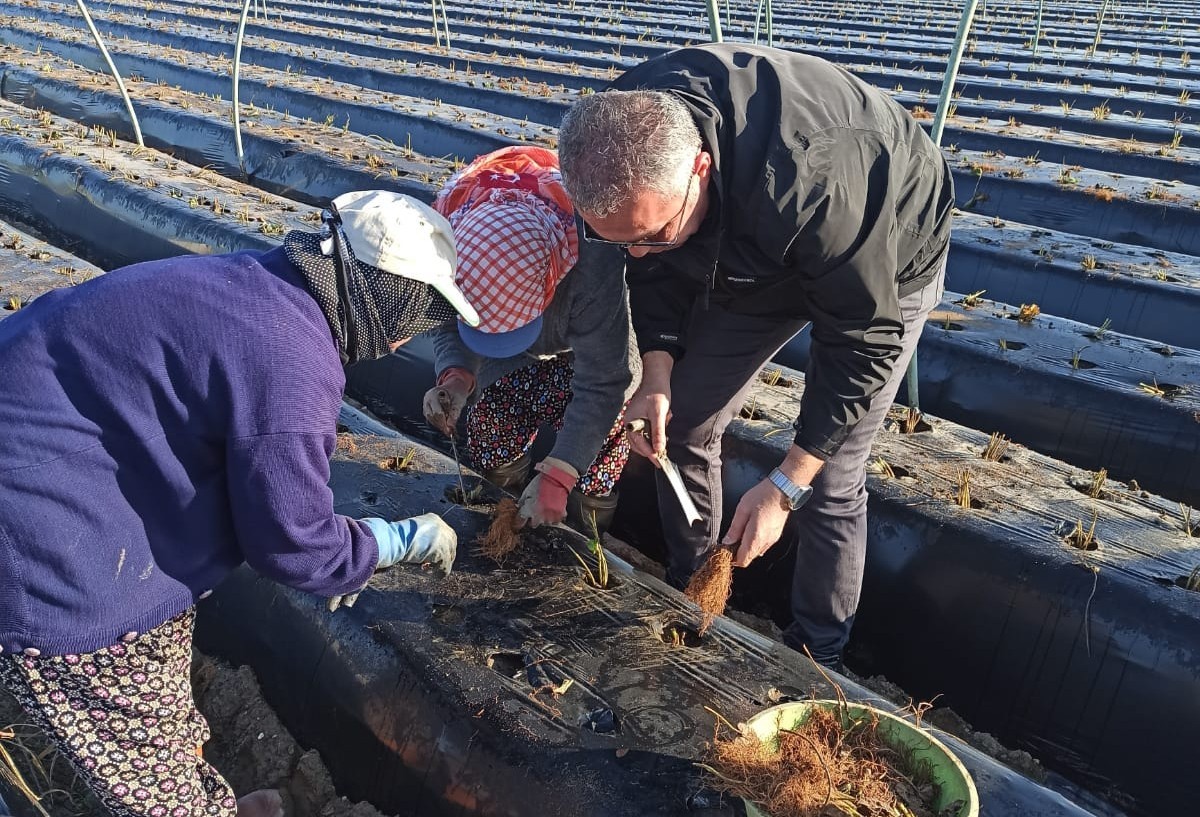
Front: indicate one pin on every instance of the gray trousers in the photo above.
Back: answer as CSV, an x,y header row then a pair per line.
x,y
712,382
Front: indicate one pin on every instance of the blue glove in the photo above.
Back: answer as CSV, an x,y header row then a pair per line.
x,y
419,540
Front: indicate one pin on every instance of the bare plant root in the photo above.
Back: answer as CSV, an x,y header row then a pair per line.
x,y
823,769
504,534
711,585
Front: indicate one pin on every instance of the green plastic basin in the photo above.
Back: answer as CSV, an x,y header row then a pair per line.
x,y
954,782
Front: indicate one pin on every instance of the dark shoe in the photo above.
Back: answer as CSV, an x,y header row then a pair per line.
x,y
581,507
512,476
829,660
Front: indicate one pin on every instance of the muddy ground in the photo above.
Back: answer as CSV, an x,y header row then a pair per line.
x,y
250,747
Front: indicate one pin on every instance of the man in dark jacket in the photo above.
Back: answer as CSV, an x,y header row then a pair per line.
x,y
755,191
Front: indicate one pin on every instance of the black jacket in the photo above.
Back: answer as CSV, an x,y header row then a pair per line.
x,y
827,202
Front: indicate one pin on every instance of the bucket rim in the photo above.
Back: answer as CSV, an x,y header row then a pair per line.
x,y
765,722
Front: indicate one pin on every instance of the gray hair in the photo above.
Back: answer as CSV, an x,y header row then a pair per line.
x,y
614,144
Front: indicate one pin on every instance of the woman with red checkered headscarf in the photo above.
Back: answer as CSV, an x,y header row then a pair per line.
x,y
553,344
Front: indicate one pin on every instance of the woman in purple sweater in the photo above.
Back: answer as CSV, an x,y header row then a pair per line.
x,y
161,425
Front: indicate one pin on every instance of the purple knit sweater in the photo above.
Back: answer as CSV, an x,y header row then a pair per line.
x,y
159,425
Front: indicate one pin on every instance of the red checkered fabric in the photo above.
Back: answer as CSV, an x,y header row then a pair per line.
x,y
514,232
512,252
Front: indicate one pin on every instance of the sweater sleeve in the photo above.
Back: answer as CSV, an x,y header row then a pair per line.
x,y
599,338
283,514
846,249
449,352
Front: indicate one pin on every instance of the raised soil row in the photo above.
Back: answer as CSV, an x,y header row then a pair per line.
x,y
431,695
984,262
1077,393
435,692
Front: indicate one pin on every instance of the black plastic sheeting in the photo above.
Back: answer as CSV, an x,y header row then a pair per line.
x,y
1128,219
423,698
82,210
1100,687
427,135
407,83
352,39
30,267
999,99
1023,799
1006,53
1093,417
1042,111
306,174
1140,306
969,608
1015,89
414,21
1103,157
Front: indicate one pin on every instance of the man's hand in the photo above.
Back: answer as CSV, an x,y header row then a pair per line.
x,y
652,402
444,402
424,539
757,523
761,513
544,501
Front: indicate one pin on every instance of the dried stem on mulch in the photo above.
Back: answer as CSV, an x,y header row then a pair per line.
x,y
711,585
504,534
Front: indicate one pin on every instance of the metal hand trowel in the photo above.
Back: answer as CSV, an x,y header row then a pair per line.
x,y
674,479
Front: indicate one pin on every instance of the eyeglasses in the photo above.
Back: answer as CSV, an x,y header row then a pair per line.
x,y
677,219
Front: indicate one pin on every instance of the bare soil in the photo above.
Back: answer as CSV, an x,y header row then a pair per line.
x,y
253,750
950,721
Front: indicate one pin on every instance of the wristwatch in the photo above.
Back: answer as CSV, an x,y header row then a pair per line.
x,y
794,496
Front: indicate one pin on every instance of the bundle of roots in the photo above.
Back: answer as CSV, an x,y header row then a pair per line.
x,y
711,585
504,534
824,769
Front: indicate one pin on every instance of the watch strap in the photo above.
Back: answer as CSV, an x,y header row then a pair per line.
x,y
794,496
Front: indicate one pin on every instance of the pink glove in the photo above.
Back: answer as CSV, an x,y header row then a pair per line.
x,y
544,501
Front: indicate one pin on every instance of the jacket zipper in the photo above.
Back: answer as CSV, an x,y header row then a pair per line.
x,y
710,277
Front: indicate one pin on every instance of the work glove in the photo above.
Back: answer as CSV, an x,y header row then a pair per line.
x,y
444,402
419,540
544,501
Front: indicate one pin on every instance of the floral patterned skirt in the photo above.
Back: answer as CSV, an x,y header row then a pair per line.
x,y
504,422
125,718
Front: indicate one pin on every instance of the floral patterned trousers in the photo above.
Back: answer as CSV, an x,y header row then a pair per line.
x,y
504,422
125,718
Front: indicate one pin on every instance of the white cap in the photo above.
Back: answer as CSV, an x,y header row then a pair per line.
x,y
406,237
